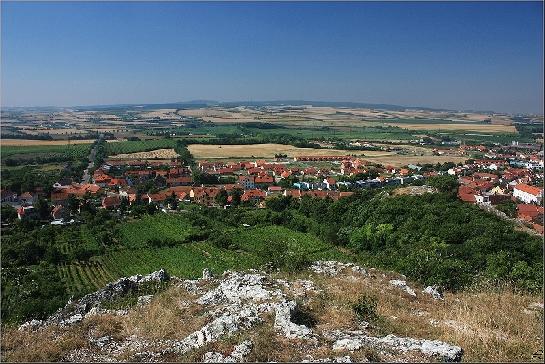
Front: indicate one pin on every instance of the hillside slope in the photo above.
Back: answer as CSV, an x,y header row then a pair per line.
x,y
330,312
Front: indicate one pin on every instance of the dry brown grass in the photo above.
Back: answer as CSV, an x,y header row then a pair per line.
x,y
493,326
54,343
252,151
490,325
168,316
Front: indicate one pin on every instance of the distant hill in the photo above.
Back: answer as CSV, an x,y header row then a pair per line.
x,y
207,103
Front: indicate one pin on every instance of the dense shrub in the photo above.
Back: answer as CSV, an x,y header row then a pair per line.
x,y
366,308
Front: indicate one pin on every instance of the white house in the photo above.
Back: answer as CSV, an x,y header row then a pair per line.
x,y
527,194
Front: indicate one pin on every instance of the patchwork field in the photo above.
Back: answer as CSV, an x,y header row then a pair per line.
x,y
127,147
204,151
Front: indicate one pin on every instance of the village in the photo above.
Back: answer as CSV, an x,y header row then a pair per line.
x,y
505,173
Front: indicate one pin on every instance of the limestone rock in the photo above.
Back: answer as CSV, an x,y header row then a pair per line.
x,y
283,322
32,325
240,352
69,314
434,292
206,274
333,268
354,340
403,285
337,359
144,300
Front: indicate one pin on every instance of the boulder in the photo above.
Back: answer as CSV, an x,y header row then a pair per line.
x,y
283,322
333,268
31,325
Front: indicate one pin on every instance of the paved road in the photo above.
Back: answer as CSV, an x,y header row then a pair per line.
x,y
86,176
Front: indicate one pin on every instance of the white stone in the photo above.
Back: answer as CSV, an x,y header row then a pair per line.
x,y
283,322
347,344
206,274
434,292
337,359
403,285
32,324
353,340
144,300
72,319
333,268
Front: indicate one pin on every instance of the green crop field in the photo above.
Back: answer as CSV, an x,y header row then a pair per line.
x,y
254,239
75,150
137,233
185,260
138,146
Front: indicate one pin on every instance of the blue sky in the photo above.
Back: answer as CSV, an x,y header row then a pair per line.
x,y
459,55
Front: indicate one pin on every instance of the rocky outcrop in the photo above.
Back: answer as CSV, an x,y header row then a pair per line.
x,y
74,312
403,286
235,303
337,359
354,340
238,303
283,322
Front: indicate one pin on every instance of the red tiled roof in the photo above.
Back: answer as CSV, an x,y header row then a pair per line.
x,y
252,194
466,194
264,179
111,201
529,189
530,211
246,178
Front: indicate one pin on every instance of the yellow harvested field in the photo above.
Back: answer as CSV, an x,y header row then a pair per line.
x,y
152,154
267,151
25,142
203,151
469,127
